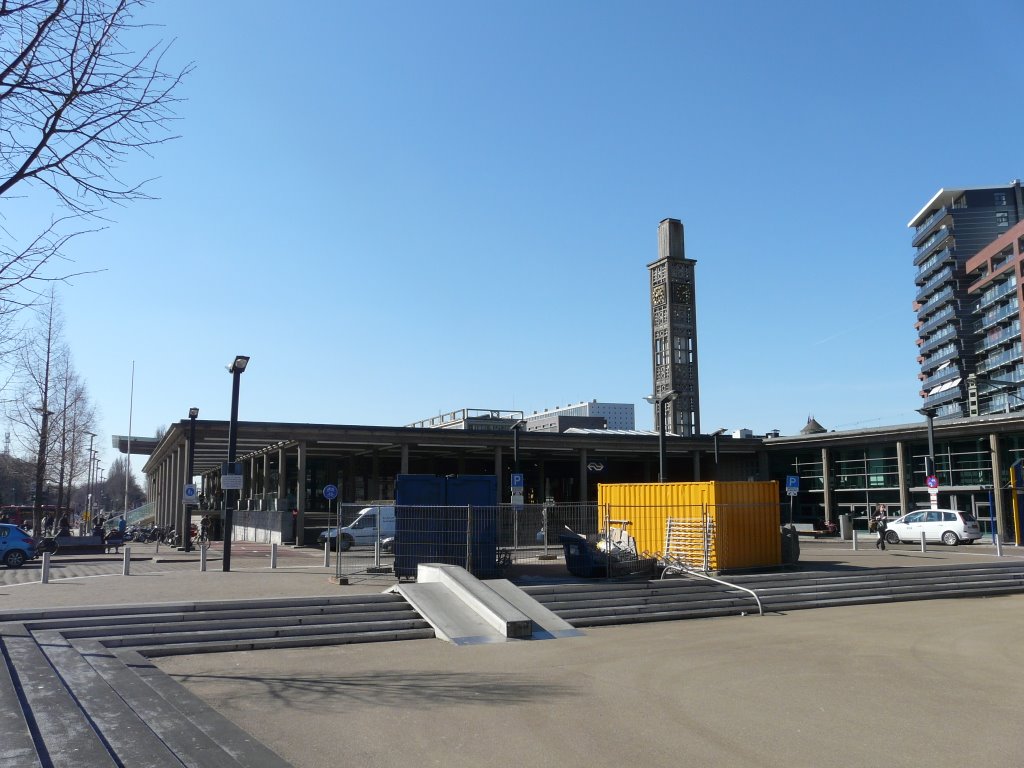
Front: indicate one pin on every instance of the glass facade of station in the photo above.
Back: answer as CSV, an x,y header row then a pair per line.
x,y
852,480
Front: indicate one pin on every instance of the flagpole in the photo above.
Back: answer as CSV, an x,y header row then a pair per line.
x,y
128,468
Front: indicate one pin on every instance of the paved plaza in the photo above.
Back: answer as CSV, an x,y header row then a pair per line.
x,y
929,683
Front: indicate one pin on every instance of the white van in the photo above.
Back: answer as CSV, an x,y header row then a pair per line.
x,y
362,530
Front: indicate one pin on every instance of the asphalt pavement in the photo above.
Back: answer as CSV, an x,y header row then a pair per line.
x,y
932,683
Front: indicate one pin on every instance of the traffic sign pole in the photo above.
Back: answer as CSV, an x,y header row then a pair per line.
x,y
933,490
792,489
331,494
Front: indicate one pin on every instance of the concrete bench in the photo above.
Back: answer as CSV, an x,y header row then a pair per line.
x,y
86,545
808,529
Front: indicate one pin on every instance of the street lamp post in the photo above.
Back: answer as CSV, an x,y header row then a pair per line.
x,y
88,476
929,465
715,435
929,462
93,478
236,369
515,444
662,452
99,471
516,492
193,414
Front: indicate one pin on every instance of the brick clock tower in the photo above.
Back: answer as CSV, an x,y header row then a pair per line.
x,y
674,332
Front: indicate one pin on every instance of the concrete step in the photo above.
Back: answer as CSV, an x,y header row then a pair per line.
x,y
306,641
122,731
159,708
17,745
202,634
748,579
992,590
677,598
643,617
243,622
238,743
691,597
71,700
64,737
183,611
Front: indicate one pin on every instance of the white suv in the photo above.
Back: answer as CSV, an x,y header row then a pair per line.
x,y
950,526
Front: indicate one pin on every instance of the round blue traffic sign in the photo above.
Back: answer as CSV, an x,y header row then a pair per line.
x,y
932,481
330,492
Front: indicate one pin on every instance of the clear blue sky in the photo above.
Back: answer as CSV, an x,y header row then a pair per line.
x,y
401,208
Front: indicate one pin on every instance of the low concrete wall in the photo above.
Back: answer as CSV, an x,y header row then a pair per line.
x,y
262,526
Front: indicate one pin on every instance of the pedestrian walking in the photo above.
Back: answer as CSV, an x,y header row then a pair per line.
x,y
880,525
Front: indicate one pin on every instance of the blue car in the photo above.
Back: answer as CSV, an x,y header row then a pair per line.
x,y
16,546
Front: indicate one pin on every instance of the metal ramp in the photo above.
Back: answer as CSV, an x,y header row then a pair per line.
x,y
466,611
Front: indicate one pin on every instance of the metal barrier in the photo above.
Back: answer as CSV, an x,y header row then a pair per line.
x,y
486,540
497,540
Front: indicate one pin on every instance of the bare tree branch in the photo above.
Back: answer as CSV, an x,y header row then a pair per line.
x,y
76,102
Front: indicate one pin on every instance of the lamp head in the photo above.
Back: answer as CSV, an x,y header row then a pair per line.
x,y
193,413
238,364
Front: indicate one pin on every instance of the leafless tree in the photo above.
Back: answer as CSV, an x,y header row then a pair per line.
x,y
74,420
76,101
30,411
114,486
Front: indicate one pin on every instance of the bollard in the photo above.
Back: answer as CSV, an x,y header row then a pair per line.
x,y
126,570
853,538
46,568
158,546
327,554
273,555
924,547
999,547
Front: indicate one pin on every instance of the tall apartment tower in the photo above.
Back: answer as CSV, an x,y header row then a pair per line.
x,y
968,309
674,332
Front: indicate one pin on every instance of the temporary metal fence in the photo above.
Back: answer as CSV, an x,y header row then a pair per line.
x,y
486,540
502,540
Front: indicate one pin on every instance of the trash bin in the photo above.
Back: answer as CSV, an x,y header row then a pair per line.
x,y
790,545
580,556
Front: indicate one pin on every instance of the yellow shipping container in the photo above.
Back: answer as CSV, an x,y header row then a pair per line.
x,y
728,525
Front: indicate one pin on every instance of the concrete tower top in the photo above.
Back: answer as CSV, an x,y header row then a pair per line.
x,y
670,239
